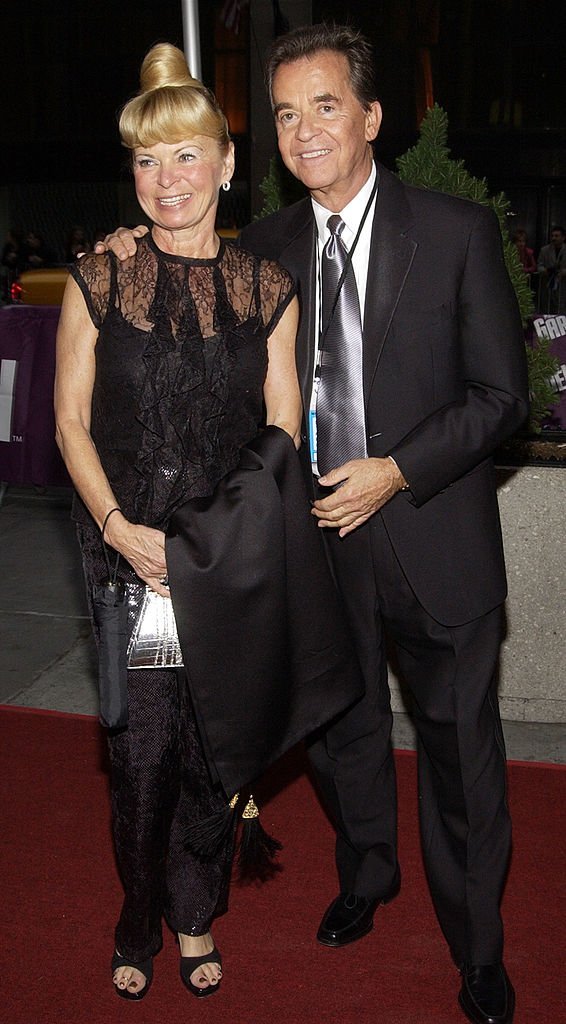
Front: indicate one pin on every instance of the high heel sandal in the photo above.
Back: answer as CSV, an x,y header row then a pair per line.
x,y
144,967
188,966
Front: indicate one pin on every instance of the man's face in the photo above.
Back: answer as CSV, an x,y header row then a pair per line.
x,y
557,239
323,130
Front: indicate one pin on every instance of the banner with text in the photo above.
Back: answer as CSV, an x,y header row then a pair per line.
x,y
553,328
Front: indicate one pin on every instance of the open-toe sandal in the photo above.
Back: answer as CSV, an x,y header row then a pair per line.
x,y
145,967
189,965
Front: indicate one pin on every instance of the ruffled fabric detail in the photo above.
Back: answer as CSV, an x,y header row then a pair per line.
x,y
181,363
182,402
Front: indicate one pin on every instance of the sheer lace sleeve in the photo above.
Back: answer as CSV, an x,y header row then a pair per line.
x,y
93,276
276,291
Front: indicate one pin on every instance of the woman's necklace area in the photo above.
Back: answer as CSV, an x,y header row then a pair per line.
x,y
209,250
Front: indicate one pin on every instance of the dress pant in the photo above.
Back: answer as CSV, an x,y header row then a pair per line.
x,y
464,820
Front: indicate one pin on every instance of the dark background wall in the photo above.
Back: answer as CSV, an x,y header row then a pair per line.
x,y
66,68
497,67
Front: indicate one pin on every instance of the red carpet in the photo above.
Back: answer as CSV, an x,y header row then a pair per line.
x,y
61,897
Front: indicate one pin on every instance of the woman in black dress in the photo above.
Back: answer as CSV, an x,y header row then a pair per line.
x,y
164,364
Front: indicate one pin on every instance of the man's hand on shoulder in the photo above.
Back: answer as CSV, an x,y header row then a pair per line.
x,y
365,487
122,242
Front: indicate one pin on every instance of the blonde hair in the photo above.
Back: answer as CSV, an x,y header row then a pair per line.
x,y
171,105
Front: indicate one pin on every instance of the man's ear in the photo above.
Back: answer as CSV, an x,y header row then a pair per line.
x,y
373,121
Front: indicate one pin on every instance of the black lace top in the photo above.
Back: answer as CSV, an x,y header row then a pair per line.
x,y
181,360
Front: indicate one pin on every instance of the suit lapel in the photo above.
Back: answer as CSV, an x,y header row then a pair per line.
x,y
392,253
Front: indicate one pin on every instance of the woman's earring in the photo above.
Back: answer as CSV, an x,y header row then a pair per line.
x,y
226,186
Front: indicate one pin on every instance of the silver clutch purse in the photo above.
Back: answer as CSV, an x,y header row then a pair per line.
x,y
153,642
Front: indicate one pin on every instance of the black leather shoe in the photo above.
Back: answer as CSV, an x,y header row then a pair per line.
x,y
350,917
487,996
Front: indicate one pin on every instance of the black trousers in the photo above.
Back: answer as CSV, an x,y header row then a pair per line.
x,y
464,820
159,785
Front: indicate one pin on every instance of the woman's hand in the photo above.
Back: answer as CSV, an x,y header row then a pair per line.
x,y
141,546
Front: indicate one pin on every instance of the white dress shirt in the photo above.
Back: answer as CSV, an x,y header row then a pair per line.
x,y
351,215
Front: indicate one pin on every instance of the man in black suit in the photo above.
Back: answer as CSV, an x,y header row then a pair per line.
x,y
412,527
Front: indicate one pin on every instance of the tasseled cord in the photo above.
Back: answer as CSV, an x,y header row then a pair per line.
x,y
257,852
257,849
205,838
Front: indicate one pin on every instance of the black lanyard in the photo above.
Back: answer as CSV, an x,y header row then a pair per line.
x,y
349,256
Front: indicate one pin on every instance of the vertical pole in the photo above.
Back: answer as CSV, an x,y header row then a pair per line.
x,y
262,132
191,36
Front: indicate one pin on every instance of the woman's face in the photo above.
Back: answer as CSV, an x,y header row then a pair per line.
x,y
177,183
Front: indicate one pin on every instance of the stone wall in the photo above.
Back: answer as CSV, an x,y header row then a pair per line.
x,y
532,688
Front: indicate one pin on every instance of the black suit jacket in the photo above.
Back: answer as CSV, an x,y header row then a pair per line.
x,y
445,378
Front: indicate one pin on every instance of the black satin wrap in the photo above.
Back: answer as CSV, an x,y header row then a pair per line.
x,y
265,647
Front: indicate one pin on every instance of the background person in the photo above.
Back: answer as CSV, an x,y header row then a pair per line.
x,y
163,363
525,254
36,254
552,268
77,244
11,262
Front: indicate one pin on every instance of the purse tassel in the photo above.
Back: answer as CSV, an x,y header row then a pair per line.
x,y
257,851
207,837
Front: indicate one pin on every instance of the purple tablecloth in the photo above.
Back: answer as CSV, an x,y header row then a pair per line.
x,y
28,453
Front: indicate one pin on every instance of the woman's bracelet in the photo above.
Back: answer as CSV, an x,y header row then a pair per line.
x,y
107,517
